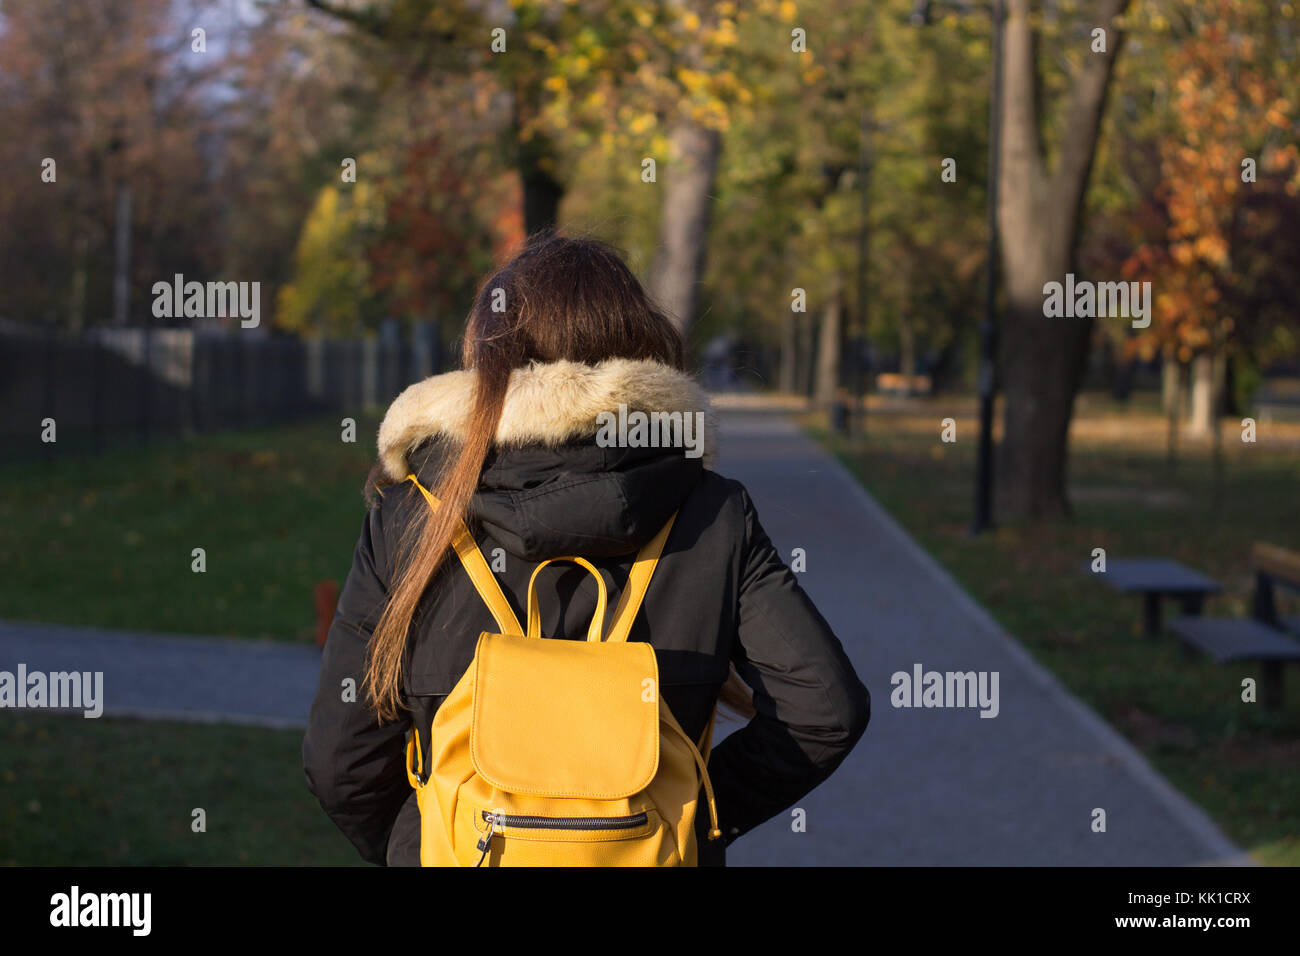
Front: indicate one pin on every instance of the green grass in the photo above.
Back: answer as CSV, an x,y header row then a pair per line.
x,y
1237,761
107,541
107,792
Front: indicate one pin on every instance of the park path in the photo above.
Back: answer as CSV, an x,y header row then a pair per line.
x,y
924,786
173,677
942,786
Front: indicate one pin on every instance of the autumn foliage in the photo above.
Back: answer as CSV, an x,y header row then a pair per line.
x,y
1226,271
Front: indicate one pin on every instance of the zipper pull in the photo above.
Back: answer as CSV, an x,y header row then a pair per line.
x,y
485,843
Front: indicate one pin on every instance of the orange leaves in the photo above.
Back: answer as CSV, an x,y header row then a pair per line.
x,y
1230,106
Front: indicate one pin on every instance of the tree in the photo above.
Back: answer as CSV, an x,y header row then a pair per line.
x,y
1224,263
111,94
587,69
1039,216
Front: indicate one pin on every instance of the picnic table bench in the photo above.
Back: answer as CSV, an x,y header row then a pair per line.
x,y
1228,639
1263,637
1156,579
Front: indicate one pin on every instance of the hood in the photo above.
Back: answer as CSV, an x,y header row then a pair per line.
x,y
548,487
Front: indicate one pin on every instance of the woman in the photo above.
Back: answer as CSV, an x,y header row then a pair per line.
x,y
510,444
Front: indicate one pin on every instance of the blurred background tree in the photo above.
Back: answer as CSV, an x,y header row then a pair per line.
x,y
832,147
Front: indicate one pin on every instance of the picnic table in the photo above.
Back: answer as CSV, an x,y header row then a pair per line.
x,y
1242,639
1156,579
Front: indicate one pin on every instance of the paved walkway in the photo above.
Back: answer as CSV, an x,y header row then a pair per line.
x,y
942,786
925,786
166,677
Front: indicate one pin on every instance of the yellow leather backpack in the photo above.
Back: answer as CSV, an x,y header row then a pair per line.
x,y
559,752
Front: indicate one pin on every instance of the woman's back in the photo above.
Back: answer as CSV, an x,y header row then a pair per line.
x,y
560,477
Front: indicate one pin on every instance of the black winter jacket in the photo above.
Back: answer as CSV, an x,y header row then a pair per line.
x,y
720,595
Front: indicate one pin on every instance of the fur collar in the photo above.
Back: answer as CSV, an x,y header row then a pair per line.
x,y
546,403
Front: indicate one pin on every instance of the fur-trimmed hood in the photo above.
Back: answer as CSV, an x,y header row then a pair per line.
x,y
553,484
546,404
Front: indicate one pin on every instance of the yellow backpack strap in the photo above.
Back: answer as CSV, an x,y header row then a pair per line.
x,y
643,568
476,566
534,609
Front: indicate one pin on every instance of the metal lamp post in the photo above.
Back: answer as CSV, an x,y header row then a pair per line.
x,y
987,381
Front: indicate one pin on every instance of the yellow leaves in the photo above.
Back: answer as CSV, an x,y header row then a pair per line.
x,y
725,34
787,10
693,81
711,113
556,84
641,123
643,17
691,21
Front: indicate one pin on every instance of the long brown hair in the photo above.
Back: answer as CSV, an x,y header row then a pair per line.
x,y
558,299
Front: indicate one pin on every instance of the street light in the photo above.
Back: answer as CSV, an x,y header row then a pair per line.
x,y
987,381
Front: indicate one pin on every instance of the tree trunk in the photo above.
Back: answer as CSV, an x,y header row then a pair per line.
x,y
1039,211
830,341
122,256
1201,420
1218,383
1171,381
684,227
803,378
542,195
906,346
536,160
788,381
1042,370
1172,395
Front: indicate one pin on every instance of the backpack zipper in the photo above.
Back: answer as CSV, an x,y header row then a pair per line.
x,y
497,820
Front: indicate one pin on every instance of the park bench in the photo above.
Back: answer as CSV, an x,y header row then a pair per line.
x,y
1278,399
1156,579
895,383
1262,637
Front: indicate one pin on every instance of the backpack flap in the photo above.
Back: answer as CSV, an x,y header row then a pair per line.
x,y
559,718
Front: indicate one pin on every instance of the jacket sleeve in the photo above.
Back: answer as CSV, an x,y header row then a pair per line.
x,y
811,706
355,765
